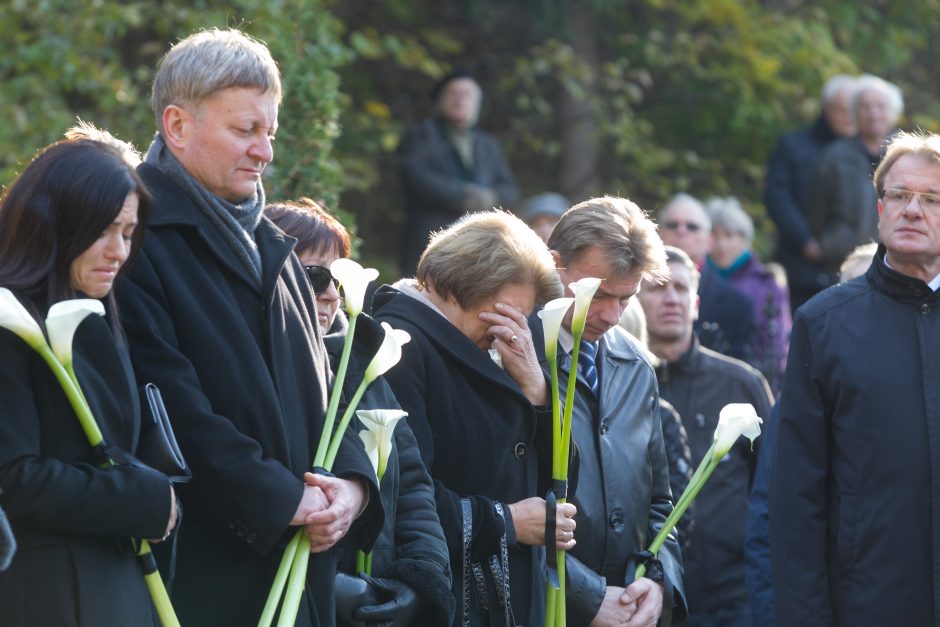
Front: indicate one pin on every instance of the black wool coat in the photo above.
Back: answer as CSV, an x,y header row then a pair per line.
x,y
480,438
244,377
411,547
72,519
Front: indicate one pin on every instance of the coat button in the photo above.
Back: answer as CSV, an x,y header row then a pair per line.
x,y
520,451
925,309
605,426
251,537
616,519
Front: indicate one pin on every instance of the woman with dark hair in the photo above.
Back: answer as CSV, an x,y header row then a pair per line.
x,y
68,226
480,409
411,575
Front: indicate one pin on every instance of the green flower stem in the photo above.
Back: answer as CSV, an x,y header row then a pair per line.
x,y
369,563
341,429
327,433
74,394
277,588
550,603
702,473
295,584
361,561
158,595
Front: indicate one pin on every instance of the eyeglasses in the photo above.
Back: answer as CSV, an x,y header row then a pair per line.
x,y
897,198
320,278
673,225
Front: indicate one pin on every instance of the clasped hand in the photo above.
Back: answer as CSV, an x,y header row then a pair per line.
x,y
327,509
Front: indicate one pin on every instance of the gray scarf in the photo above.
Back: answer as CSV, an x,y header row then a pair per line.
x,y
236,223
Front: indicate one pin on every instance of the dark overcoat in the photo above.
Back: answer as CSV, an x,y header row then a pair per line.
x,y
411,547
72,519
244,377
480,438
855,483
434,181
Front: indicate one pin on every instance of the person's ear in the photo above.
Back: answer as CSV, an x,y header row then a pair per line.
x,y
557,259
881,206
175,122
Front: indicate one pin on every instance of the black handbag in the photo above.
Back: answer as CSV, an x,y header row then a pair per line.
x,y
158,447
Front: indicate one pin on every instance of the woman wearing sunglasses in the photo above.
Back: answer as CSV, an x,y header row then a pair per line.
x,y
411,582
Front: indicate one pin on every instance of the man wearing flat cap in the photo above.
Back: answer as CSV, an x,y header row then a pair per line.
x,y
448,166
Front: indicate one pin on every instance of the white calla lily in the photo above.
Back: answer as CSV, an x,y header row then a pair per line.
x,y
370,441
62,321
552,315
14,317
735,420
389,353
583,290
381,423
354,279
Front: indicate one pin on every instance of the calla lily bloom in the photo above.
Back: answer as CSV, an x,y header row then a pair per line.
x,y
354,280
583,290
14,317
735,420
389,353
380,424
552,315
63,320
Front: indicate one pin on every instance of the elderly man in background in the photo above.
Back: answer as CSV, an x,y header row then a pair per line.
x,y
623,495
448,166
788,185
842,200
220,315
699,382
725,320
855,487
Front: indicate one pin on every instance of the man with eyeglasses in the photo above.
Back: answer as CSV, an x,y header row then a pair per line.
x,y
855,488
726,315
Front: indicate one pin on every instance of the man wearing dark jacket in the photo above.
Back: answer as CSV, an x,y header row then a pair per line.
x,y
448,166
623,495
699,382
787,188
855,486
219,314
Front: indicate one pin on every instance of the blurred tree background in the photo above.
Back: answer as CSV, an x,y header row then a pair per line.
x,y
641,99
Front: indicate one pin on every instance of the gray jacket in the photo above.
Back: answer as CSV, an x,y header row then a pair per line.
x,y
623,494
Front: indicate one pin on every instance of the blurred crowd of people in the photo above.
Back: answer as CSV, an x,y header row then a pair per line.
x,y
228,304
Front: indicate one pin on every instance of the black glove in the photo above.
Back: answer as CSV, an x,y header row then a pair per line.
x,y
400,604
351,593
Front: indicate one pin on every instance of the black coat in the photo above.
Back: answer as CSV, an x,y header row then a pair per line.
x,y
855,487
698,385
434,182
725,322
72,519
786,194
480,438
243,375
411,547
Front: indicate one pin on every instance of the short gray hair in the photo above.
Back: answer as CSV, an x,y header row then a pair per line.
x,y
836,85
727,214
680,198
619,228
870,82
209,61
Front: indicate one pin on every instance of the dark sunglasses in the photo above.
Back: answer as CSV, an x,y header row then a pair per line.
x,y
320,278
672,225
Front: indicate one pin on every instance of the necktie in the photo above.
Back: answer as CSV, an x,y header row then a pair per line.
x,y
586,364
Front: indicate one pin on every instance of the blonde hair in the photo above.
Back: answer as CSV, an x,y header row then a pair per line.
x,y
482,253
926,145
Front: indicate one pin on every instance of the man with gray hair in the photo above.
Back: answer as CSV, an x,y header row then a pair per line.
x,y
726,314
855,481
219,314
788,184
623,495
842,200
